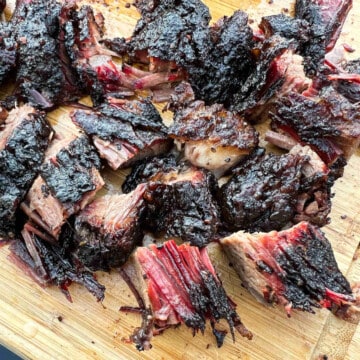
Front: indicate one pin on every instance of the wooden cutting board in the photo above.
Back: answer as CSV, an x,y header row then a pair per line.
x,y
40,323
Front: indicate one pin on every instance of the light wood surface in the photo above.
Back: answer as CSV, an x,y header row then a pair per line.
x,y
39,323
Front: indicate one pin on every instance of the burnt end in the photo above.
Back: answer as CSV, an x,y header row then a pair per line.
x,y
304,274
145,169
24,139
42,77
106,128
325,20
179,285
69,179
310,265
272,192
91,61
108,229
228,63
213,138
216,59
125,131
329,124
264,80
140,113
50,265
181,204
215,124
173,31
261,195
78,158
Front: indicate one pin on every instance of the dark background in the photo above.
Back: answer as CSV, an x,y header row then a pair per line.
x,y
5,354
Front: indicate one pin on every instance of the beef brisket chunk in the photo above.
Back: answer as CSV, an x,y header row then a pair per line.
x,y
24,138
295,268
212,137
271,192
172,31
69,179
108,229
216,59
228,62
264,80
43,77
329,123
180,203
50,264
97,73
59,171
178,284
124,131
325,18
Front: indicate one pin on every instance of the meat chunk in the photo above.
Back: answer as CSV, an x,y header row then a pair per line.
x,y
228,62
295,268
180,203
124,131
50,264
216,59
69,179
97,73
173,195
44,76
108,229
212,137
24,137
174,285
172,31
325,18
271,192
328,123
264,80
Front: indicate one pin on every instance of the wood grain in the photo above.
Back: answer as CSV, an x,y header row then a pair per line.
x,y
39,323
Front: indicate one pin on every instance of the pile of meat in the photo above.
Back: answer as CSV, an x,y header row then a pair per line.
x,y
202,179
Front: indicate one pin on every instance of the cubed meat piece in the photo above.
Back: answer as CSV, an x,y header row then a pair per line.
x,y
178,284
108,229
270,191
181,203
24,137
295,268
125,131
50,264
211,137
69,179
